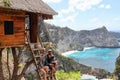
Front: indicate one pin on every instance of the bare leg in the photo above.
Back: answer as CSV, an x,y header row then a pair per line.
x,y
46,68
48,78
44,74
52,73
55,77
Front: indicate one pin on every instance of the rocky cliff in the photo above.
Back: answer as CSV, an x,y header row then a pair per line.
x,y
116,35
67,39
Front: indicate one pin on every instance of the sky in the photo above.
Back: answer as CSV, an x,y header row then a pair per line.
x,y
86,14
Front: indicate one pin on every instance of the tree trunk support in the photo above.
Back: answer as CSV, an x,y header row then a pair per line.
x,y
8,51
1,69
15,70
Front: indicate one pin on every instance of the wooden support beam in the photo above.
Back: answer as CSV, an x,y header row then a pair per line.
x,y
11,46
46,16
33,27
8,67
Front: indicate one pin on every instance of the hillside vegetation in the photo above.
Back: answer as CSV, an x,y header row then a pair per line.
x,y
72,75
117,70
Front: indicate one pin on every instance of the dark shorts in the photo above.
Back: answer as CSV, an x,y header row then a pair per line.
x,y
50,67
39,67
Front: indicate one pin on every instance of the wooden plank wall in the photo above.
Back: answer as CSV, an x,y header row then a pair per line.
x,y
18,38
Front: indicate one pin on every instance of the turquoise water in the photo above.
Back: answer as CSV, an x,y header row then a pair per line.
x,y
97,57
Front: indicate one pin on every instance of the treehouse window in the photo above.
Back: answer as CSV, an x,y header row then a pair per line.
x,y
8,27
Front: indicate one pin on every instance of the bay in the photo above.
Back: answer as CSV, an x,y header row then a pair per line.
x,y
103,58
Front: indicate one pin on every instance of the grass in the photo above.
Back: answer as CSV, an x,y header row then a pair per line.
x,y
72,75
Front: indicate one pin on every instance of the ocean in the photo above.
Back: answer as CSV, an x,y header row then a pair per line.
x,y
103,58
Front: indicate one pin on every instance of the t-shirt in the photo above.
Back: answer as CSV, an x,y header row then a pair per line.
x,y
46,60
41,59
49,60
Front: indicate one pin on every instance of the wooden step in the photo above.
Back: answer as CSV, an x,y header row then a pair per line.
x,y
37,49
38,56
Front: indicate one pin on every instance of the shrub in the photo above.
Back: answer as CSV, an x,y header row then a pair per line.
x,y
72,75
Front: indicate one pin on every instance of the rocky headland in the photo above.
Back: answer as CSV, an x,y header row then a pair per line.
x,y
67,39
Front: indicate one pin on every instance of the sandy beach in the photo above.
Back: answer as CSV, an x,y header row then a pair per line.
x,y
69,52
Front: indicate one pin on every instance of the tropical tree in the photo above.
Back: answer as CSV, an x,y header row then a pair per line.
x,y
17,55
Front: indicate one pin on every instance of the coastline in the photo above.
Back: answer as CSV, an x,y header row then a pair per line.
x,y
69,52
84,49
74,51
87,56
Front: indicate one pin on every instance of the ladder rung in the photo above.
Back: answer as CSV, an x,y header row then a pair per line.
x,y
37,56
26,42
35,45
37,49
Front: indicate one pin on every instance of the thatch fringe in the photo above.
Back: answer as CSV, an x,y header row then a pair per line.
x,y
35,6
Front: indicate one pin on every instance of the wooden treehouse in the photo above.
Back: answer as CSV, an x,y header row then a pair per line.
x,y
13,14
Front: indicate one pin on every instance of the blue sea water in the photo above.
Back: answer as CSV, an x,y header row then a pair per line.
x,y
103,58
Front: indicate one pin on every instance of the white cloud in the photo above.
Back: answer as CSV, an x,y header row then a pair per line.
x,y
64,21
116,19
94,19
52,1
66,11
83,5
75,6
69,18
101,6
108,6
79,5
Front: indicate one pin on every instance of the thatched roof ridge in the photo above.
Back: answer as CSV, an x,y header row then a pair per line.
x,y
35,6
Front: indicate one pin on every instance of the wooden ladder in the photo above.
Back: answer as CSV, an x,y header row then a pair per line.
x,y
35,53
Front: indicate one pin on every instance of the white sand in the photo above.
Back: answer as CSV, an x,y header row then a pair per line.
x,y
69,52
74,51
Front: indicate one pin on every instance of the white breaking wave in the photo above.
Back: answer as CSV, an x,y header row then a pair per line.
x,y
91,77
88,77
86,48
106,79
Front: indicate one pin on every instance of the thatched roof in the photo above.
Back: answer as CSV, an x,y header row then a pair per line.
x,y
36,6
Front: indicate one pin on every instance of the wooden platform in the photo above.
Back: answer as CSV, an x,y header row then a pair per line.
x,y
16,46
